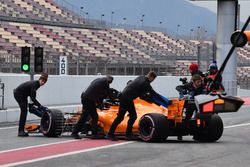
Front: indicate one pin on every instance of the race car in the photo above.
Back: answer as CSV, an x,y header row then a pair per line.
x,y
154,121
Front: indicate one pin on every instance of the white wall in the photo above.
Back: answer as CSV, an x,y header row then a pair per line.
x,y
65,90
62,90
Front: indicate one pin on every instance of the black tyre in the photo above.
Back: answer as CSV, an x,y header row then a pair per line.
x,y
153,127
212,131
52,123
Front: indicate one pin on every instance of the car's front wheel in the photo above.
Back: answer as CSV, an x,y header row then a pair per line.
x,y
52,123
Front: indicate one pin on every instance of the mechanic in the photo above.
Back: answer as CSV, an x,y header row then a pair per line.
x,y
212,73
196,87
21,94
134,89
96,91
193,69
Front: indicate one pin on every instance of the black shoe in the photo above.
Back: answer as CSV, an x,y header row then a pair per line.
x,y
75,136
22,134
131,137
96,136
111,137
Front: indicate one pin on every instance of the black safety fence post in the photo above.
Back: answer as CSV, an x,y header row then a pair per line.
x,y
2,95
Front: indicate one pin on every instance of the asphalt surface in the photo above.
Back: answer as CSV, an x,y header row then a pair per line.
x,y
232,149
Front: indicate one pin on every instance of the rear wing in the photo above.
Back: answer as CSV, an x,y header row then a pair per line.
x,y
217,103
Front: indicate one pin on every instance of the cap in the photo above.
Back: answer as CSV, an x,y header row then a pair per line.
x,y
193,67
213,66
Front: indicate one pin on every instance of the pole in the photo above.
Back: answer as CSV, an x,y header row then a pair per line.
x,y
199,55
222,68
225,27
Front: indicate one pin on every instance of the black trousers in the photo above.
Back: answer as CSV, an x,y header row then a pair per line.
x,y
125,105
23,104
190,108
88,109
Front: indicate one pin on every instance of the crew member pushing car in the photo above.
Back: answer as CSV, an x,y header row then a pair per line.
x,y
97,91
21,94
134,89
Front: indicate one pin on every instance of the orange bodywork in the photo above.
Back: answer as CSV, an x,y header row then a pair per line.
x,y
32,127
107,116
173,112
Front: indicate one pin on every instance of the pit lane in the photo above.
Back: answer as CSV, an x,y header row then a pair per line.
x,y
232,149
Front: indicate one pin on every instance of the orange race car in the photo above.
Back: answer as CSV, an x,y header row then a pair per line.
x,y
154,122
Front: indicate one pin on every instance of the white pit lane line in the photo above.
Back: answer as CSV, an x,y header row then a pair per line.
x,y
9,127
237,125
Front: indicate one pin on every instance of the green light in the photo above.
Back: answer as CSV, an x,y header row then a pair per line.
x,y
25,67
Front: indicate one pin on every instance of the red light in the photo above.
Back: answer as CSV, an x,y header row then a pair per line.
x,y
209,107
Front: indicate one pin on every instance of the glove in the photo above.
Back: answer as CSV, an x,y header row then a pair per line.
x,y
42,108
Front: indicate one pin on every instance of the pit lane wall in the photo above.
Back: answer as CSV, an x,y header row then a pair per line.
x,y
63,92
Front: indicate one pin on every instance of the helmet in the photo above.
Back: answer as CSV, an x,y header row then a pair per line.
x,y
193,67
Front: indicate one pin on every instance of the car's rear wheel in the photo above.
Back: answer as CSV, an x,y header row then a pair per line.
x,y
52,123
153,127
212,131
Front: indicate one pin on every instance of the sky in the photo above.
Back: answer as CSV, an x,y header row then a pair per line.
x,y
209,4
212,5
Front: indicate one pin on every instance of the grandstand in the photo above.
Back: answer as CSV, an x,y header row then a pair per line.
x,y
92,48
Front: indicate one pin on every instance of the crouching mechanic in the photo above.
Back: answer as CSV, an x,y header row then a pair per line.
x,y
134,89
97,90
21,94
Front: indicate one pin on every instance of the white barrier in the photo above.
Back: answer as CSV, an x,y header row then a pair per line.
x,y
63,92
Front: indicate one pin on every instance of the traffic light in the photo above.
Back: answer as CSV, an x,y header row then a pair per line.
x,y
38,61
25,59
243,38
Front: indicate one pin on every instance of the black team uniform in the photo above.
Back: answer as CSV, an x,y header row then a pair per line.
x,y
136,88
21,94
97,91
193,91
